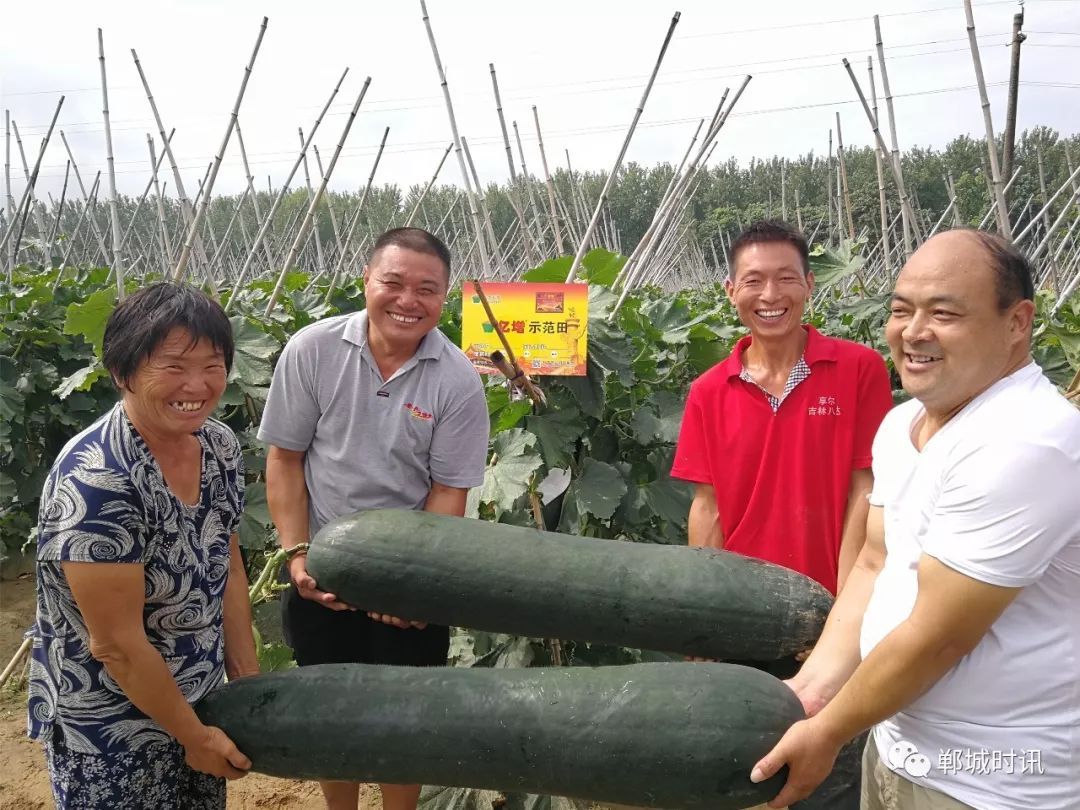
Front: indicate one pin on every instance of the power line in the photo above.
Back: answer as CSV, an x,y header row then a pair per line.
x,y
844,20
523,93
432,145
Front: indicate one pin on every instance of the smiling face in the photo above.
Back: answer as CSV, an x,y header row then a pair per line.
x,y
949,338
176,388
405,291
769,289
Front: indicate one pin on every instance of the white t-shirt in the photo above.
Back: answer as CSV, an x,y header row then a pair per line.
x,y
995,495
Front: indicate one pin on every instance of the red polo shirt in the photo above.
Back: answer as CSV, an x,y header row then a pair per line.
x,y
782,478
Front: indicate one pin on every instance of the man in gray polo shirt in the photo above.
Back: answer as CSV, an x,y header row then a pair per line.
x,y
377,409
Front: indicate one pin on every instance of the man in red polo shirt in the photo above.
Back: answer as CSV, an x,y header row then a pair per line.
x,y
777,439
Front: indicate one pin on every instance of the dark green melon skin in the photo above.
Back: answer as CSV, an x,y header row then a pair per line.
x,y
508,579
665,735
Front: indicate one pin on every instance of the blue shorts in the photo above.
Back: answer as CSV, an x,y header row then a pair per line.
x,y
152,778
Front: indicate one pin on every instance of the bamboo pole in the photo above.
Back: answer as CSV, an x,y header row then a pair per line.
x,y
228,229
550,185
907,214
1034,255
247,240
7,189
146,191
527,182
264,229
485,216
1053,198
114,210
320,258
907,218
28,192
185,254
38,218
577,196
356,215
13,664
329,202
991,146
355,218
159,204
635,267
951,184
502,123
448,215
1069,164
571,232
251,187
941,219
582,247
186,209
474,211
82,189
882,202
1067,239
526,235
992,209
676,188
1046,216
427,188
844,179
87,209
59,214
679,200
1014,86
783,189
828,190
310,216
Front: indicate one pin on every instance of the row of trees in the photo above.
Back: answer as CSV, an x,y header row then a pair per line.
x,y
727,196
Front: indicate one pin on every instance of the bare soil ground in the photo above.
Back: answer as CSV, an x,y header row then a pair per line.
x,y
24,783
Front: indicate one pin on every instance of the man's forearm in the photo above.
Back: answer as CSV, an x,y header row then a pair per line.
x,y
853,536
837,653
287,498
241,657
903,667
703,528
445,500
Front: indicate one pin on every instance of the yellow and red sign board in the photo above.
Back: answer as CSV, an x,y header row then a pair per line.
x,y
545,324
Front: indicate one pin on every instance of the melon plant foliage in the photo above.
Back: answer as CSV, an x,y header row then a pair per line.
x,y
594,461
596,456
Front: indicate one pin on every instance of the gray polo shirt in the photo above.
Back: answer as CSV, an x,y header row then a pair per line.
x,y
372,443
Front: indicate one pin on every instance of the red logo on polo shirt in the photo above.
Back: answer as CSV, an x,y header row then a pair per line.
x,y
416,412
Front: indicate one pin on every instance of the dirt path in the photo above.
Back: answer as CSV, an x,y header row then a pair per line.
x,y
24,783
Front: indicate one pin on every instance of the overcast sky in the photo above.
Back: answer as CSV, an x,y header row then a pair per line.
x,y
584,65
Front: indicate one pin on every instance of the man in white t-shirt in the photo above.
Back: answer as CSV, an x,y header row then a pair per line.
x,y
957,636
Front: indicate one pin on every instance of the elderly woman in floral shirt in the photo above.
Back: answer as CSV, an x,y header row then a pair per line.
x,y
141,592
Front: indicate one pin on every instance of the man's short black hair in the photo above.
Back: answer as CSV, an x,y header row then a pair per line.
x,y
141,322
413,239
1012,270
766,231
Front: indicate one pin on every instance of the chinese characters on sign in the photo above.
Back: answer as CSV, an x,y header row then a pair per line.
x,y
545,324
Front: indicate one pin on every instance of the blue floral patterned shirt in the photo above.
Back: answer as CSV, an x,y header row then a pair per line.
x,y
106,500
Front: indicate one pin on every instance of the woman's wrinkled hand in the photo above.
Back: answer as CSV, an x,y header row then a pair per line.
x,y
214,753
